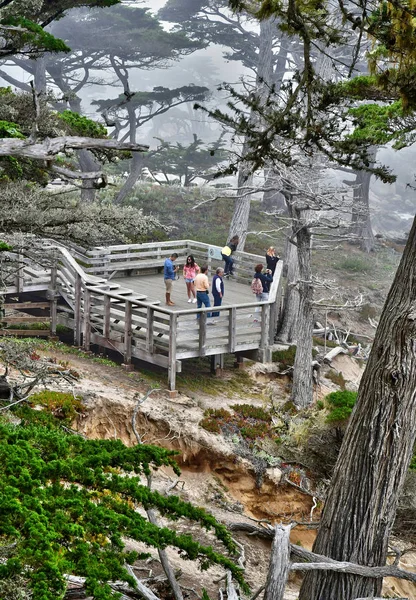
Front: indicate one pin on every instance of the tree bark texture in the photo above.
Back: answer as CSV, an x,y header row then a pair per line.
x,y
361,218
264,79
279,564
137,162
88,164
48,148
288,327
302,387
376,450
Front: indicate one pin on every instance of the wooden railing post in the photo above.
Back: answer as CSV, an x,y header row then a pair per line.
x,y
202,333
265,322
52,295
87,320
77,310
149,330
106,317
232,323
128,333
172,352
20,276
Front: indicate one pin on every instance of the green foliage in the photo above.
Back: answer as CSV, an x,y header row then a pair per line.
x,y
252,423
80,125
374,124
186,162
68,505
62,405
286,358
10,130
32,37
340,405
337,378
249,411
5,247
354,264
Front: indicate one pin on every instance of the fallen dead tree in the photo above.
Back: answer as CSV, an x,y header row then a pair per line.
x,y
282,551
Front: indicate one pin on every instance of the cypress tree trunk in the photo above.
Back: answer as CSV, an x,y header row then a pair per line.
x,y
288,327
361,219
376,450
302,387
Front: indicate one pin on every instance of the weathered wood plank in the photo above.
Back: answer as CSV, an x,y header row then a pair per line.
x,y
150,330
26,305
279,564
172,353
25,332
27,319
128,333
77,310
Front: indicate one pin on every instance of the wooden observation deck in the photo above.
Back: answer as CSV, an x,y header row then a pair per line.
x,y
114,297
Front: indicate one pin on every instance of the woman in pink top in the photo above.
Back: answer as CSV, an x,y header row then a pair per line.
x,y
190,270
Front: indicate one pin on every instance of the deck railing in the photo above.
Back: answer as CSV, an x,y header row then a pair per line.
x,y
101,312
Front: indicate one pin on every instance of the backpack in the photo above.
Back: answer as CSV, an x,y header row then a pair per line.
x,y
256,286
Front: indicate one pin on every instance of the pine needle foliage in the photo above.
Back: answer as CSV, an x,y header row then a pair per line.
x,y
68,503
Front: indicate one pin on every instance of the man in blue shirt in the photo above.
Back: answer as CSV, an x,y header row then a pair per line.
x,y
169,274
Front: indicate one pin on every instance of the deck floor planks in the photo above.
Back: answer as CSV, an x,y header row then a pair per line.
x,y
154,288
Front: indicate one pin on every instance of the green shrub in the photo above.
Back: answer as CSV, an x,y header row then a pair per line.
x,y
340,405
353,264
62,405
255,412
286,358
337,378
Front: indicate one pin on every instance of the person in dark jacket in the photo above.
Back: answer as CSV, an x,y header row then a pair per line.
x,y
272,259
266,279
218,289
226,253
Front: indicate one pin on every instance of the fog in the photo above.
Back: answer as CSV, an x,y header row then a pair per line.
x,y
88,89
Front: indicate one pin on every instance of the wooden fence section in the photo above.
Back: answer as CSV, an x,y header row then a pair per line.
x,y
134,259
100,311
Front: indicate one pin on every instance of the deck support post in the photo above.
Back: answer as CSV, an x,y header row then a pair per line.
x,y
217,364
202,333
128,334
106,323
264,351
150,330
232,323
52,295
77,310
87,320
173,324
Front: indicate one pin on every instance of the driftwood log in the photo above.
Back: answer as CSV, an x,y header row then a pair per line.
x,y
279,564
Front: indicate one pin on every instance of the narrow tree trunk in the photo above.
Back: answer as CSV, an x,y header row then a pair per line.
x,y
287,331
137,161
86,160
88,164
361,218
264,77
302,387
40,75
376,450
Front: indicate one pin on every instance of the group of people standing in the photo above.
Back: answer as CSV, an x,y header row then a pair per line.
x,y
196,280
197,283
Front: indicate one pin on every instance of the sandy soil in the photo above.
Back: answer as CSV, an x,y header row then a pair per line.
x,y
213,476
